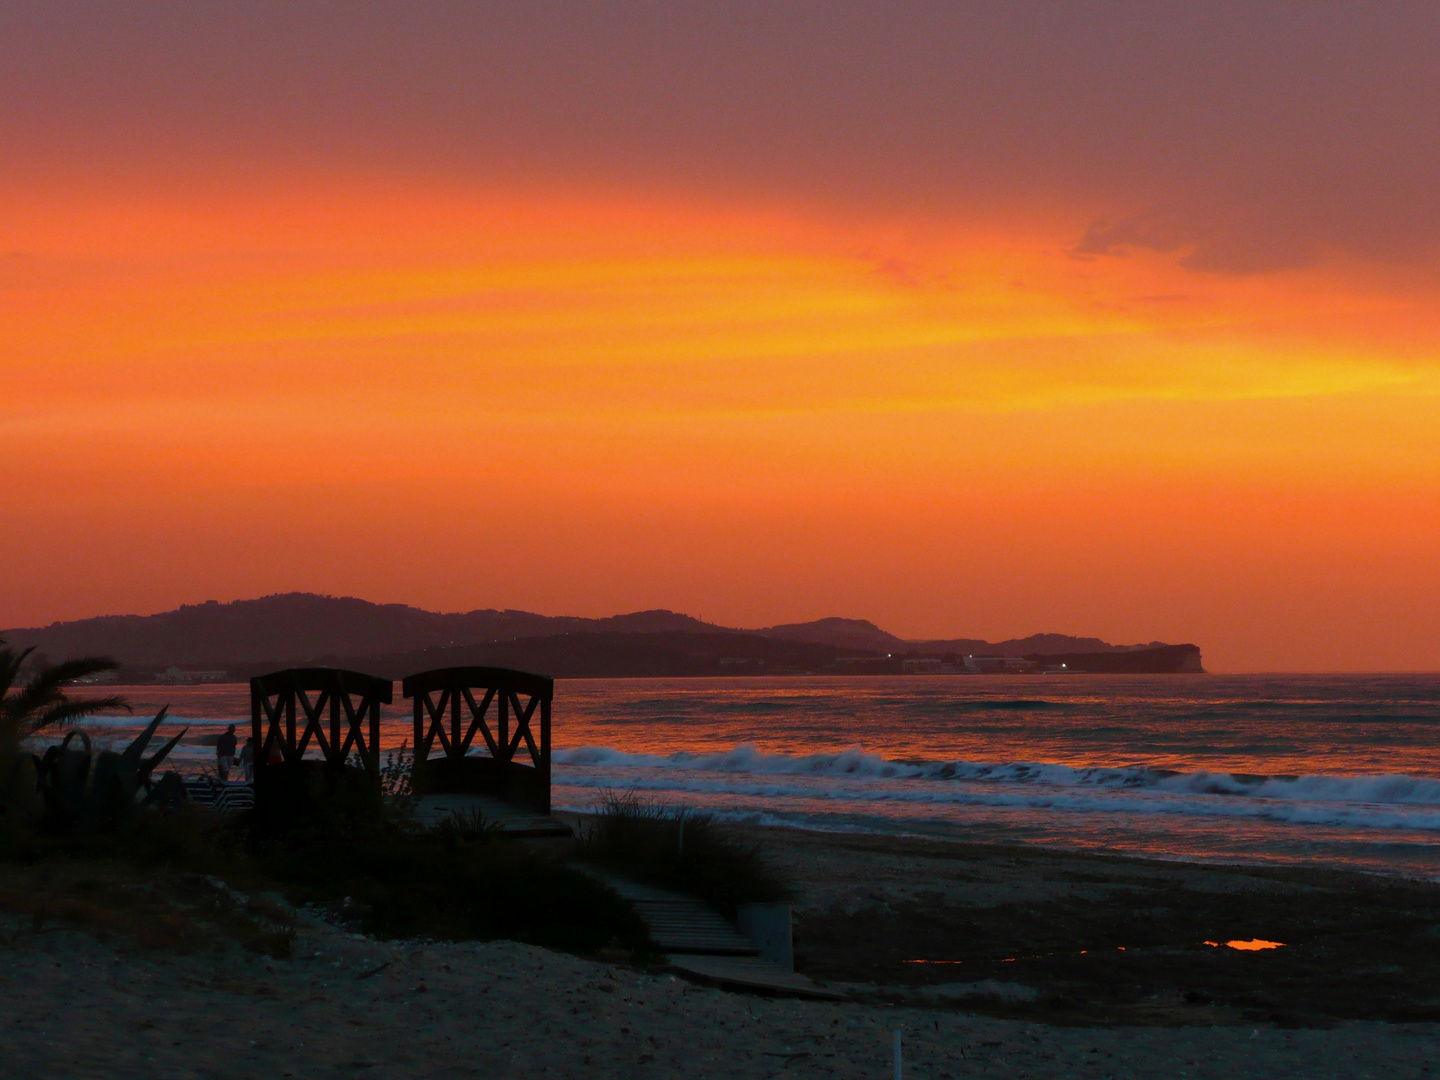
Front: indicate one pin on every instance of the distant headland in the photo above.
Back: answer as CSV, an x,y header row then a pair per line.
x,y
228,642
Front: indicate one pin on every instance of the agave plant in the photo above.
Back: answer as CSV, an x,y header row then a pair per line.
x,y
70,786
89,791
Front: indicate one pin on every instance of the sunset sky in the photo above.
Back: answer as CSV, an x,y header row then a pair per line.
x,y
1114,320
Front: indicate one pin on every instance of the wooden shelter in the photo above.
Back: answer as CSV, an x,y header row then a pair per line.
x,y
453,705
339,710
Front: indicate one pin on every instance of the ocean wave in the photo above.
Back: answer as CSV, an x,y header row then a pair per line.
x,y
909,800
855,762
1007,705
137,720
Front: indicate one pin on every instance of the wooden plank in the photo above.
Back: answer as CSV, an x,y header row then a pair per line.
x,y
477,714
749,974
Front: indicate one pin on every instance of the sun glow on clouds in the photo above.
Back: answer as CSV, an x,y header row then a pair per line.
x,y
436,304
687,357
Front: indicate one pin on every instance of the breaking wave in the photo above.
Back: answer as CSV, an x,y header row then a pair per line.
x,y
857,777
856,762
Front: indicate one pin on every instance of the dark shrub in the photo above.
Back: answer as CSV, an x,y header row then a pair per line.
x,y
453,882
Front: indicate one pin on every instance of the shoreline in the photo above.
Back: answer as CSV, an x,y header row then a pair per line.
x,y
997,843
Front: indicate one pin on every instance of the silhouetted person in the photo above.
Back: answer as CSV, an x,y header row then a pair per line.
x,y
247,759
225,753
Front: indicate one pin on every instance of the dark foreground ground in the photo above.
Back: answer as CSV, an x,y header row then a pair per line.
x,y
1086,939
107,970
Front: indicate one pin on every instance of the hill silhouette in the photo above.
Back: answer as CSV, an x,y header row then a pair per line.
x,y
296,628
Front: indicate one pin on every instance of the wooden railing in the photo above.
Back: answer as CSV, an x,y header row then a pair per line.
x,y
454,705
339,710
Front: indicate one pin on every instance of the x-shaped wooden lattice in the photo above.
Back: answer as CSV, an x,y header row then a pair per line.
x,y
280,721
501,743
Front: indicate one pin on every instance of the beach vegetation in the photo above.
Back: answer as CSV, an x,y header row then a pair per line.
x,y
459,880
371,872
43,700
675,847
178,882
71,786
34,698
75,830
397,774
82,789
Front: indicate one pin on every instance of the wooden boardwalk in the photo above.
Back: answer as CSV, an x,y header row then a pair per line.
x,y
749,973
680,923
703,946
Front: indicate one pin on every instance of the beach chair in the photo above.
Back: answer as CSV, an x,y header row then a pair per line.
x,y
209,794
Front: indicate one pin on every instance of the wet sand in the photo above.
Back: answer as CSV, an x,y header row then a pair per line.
x,y
109,1001
1094,939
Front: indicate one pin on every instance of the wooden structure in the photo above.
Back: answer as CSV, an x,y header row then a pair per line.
x,y
339,710
453,705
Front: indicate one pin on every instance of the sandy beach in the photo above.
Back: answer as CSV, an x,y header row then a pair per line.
x,y
1085,938
110,1001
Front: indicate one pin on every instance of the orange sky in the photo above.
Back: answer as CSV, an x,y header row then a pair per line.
x,y
467,386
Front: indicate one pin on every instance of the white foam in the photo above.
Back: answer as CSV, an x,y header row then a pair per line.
x,y
856,778
137,721
856,762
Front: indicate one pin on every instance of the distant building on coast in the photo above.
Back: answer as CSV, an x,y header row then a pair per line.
x,y
928,665
1000,665
175,675
867,665
743,663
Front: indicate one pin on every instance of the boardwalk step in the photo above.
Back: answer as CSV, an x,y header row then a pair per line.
x,y
702,945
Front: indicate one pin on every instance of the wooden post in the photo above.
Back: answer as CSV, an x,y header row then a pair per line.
x,y
502,723
455,736
374,761
418,753
544,765
256,710
290,724
336,743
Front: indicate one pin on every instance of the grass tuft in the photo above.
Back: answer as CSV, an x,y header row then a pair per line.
x,y
677,848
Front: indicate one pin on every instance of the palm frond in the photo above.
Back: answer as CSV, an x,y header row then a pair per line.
x,y
10,664
44,701
74,709
49,686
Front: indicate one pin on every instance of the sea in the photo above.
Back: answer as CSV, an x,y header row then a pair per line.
x,y
1339,771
